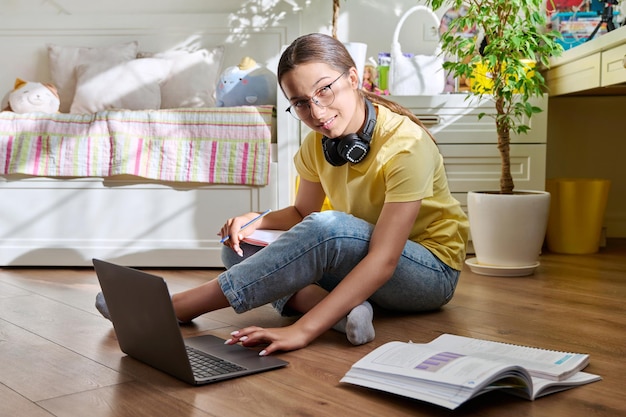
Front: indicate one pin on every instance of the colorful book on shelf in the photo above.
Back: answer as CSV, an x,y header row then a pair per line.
x,y
263,237
451,369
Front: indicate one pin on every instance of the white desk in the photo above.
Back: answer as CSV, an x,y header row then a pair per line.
x,y
597,67
586,130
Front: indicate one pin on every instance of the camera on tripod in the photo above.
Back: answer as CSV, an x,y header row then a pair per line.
x,y
607,18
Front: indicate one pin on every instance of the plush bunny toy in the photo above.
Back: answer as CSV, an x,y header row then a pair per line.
x,y
30,97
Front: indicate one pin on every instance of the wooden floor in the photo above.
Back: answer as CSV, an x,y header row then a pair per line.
x,y
59,357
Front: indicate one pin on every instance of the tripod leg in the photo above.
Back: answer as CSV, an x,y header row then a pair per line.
x,y
610,24
595,30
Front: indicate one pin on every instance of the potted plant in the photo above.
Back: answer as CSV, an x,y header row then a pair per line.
x,y
514,43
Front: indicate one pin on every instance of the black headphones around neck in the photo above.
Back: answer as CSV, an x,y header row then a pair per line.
x,y
352,147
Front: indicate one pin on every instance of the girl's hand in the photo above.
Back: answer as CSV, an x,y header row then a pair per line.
x,y
232,228
282,338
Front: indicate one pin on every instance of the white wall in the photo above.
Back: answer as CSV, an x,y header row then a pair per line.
x,y
355,21
373,22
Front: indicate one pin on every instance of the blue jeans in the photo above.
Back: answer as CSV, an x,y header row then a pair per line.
x,y
322,250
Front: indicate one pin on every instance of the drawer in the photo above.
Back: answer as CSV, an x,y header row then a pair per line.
x,y
614,66
477,167
579,75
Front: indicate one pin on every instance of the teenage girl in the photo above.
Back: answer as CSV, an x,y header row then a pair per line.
x,y
395,236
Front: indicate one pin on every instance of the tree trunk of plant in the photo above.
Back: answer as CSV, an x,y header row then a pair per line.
x,y
336,6
504,142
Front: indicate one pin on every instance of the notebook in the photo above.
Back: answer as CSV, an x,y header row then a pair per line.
x,y
147,329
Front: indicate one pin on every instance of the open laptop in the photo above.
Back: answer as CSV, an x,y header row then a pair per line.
x,y
147,329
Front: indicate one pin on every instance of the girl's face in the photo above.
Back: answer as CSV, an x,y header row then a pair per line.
x,y
323,84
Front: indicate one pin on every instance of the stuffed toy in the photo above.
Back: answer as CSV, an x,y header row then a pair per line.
x,y
31,97
246,84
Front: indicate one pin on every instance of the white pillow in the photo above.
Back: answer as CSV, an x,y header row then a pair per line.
x,y
132,85
193,78
64,60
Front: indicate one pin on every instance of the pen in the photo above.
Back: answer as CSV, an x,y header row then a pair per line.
x,y
225,238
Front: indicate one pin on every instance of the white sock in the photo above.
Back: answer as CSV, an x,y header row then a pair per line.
x,y
101,306
357,325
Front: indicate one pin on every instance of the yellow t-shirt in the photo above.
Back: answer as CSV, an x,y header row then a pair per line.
x,y
403,164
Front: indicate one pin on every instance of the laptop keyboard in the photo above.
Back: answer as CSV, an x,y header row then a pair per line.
x,y
205,365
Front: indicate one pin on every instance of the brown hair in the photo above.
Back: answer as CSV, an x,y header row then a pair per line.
x,y
317,47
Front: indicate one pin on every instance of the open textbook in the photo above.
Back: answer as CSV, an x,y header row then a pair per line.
x,y
453,369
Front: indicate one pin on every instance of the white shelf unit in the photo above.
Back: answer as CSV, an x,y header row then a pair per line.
x,y
469,147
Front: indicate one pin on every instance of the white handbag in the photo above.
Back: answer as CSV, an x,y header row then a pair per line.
x,y
420,74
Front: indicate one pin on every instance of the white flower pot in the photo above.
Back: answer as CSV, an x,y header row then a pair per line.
x,y
508,230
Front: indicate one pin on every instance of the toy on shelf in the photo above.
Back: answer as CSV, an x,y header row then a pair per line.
x,y
31,97
246,84
370,80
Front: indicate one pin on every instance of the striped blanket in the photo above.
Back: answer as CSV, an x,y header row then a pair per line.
x,y
221,145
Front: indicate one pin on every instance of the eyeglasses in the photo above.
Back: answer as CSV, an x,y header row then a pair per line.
x,y
323,97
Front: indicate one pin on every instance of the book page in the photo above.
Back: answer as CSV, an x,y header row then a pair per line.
x,y
263,237
542,363
545,386
415,360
